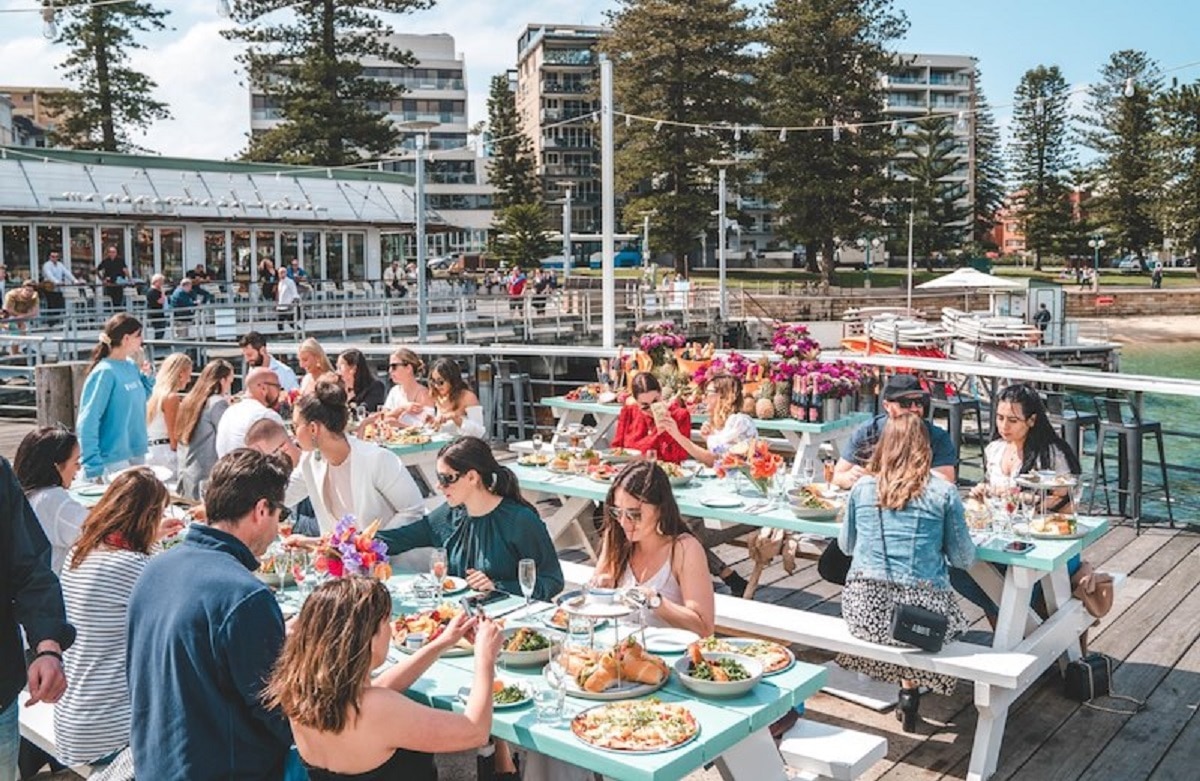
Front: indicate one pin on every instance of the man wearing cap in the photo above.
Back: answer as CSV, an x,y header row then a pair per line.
x,y
902,395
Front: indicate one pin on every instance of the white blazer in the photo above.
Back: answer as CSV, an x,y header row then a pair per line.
x,y
382,486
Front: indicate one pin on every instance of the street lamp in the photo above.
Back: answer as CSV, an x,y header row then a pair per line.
x,y
421,128
646,238
866,244
721,165
1096,243
566,234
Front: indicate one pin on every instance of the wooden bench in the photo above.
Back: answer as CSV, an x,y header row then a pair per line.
x,y
823,752
37,726
999,676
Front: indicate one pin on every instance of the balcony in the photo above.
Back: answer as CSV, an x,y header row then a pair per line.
x,y
442,118
576,171
585,57
558,114
552,87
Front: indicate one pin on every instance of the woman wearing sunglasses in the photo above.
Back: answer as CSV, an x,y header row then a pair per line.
x,y
646,545
457,408
726,426
486,526
636,428
408,403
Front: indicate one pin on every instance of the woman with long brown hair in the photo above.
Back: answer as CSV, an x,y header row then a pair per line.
x,y
92,720
646,545
904,527
199,413
350,726
408,402
457,408
112,407
726,426
636,427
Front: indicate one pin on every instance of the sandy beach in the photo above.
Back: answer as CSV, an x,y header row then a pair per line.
x,y
1149,330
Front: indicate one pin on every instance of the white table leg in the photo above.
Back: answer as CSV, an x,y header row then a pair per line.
x,y
1013,620
754,759
566,520
992,704
1057,589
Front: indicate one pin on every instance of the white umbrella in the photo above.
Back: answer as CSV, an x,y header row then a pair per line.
x,y
968,279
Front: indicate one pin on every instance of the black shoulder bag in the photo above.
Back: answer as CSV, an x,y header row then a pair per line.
x,y
911,624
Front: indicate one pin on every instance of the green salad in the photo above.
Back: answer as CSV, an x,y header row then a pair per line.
x,y
509,695
526,639
728,670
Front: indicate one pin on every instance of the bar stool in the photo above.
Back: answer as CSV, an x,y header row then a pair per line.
x,y
512,397
944,397
1129,434
1064,414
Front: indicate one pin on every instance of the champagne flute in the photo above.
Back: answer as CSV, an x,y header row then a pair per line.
x,y
527,576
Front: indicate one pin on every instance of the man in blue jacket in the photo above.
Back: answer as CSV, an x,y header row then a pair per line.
x,y
204,633
30,597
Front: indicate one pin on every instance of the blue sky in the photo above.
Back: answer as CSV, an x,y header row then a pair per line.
x,y
195,70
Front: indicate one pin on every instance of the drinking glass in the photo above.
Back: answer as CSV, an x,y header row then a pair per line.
x,y
437,563
425,591
527,576
779,482
550,698
303,573
1078,492
537,443
283,563
810,470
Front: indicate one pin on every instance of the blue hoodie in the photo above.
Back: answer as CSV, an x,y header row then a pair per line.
x,y
203,633
112,415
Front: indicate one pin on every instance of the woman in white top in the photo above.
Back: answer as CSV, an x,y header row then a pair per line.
x,y
457,408
46,463
344,475
646,545
313,361
408,402
726,425
92,720
162,409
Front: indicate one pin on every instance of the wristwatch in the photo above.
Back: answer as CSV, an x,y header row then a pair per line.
x,y
655,601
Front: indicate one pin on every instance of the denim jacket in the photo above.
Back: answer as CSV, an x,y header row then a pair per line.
x,y
921,538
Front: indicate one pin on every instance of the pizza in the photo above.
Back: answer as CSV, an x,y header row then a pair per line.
x,y
636,725
774,657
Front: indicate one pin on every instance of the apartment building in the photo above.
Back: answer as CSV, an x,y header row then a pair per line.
x,y
435,91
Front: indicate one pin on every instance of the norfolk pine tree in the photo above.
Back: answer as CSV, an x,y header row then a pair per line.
x,y
1180,143
940,223
310,62
684,61
108,99
990,173
512,172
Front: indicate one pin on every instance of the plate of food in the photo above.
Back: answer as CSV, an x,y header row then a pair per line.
x,y
775,658
505,695
453,585
619,455
1054,527
414,630
414,435
677,475
810,504
717,674
1046,479
524,646
619,673
638,727
534,459
267,574
560,619
603,472
666,639
698,469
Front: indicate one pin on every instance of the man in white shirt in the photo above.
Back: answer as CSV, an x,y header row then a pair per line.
x,y
254,350
287,301
57,273
262,394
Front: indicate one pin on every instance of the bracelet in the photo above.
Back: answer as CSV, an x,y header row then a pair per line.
x,y
48,652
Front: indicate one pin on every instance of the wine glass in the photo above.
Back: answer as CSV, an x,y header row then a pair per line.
x,y
537,443
527,576
437,564
810,471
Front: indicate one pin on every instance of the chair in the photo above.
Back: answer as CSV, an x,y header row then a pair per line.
x,y
1121,419
513,408
1064,414
944,397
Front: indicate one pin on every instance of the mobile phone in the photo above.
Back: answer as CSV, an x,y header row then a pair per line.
x,y
1018,546
479,600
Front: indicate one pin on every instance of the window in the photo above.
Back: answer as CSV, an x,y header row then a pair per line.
x,y
333,256
215,250
170,242
356,251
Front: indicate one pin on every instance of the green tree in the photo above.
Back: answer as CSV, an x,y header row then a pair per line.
x,y
309,63
686,61
1180,140
1041,158
108,99
930,170
1121,128
513,172
990,174
523,238
820,67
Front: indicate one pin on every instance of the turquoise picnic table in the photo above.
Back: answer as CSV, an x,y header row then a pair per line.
x,y
733,732
806,438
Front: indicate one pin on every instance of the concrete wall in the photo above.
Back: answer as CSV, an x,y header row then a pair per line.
x,y
1133,302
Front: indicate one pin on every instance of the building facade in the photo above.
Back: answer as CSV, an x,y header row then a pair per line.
x,y
435,91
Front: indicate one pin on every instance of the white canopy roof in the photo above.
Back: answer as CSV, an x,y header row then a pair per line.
x,y
968,278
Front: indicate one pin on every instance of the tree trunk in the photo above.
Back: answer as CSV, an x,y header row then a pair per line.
x,y
329,79
108,130
810,257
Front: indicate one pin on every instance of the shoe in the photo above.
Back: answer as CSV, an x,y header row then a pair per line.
x,y
907,709
737,584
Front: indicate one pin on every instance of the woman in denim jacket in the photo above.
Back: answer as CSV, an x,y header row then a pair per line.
x,y
921,516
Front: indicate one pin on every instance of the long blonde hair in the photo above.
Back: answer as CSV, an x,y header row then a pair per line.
x,y
729,399
169,380
901,461
313,348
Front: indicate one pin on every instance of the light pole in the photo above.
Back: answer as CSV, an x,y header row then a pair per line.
x,y
646,238
912,206
721,165
566,231
1096,243
866,244
421,128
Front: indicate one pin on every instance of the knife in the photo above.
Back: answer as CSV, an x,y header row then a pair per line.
x,y
533,610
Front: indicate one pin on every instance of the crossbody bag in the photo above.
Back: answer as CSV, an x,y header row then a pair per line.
x,y
912,624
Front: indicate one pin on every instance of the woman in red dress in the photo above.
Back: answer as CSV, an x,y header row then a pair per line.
x,y
636,429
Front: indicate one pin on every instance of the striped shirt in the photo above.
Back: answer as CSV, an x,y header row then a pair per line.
x,y
92,718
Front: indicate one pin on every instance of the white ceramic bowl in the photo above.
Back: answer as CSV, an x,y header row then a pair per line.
x,y
714,689
525,658
602,596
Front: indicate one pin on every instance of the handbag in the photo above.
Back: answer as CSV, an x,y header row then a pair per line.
x,y
912,624
1094,589
834,564
1090,677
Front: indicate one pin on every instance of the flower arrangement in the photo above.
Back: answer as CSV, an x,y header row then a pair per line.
x,y
752,458
349,551
733,363
658,338
792,340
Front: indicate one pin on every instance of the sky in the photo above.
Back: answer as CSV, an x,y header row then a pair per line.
x,y
197,75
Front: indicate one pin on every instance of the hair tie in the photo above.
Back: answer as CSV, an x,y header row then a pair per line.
x,y
105,339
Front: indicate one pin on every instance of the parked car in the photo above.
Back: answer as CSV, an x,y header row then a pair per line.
x,y
1130,266
439,264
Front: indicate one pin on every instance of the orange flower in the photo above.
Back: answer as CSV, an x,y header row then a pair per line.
x,y
383,570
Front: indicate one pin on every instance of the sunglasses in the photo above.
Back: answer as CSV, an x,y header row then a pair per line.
x,y
633,515
284,512
398,364
444,479
439,381
910,402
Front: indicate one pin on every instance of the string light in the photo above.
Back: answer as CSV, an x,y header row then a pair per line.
x,y
960,124
1129,87
1039,107
49,24
837,133
737,133
782,134
658,126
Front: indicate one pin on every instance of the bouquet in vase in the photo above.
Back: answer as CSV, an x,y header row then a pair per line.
x,y
349,551
754,459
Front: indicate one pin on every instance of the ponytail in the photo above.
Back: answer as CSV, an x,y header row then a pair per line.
x,y
115,330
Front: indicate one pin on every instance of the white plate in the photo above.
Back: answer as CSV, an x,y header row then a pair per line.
x,y
667,640
1081,530
722,501
526,658
460,584
464,694
548,616
91,490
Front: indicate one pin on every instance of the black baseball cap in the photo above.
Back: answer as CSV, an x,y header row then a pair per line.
x,y
903,385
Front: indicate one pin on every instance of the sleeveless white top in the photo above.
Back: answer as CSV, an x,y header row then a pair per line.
x,y
663,581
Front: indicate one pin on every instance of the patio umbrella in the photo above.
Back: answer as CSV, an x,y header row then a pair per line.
x,y
968,279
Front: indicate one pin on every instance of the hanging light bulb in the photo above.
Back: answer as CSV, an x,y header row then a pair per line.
x,y
960,124
223,9
782,134
698,131
50,22
628,120
737,133
1039,107
658,126
837,132
1129,87
895,128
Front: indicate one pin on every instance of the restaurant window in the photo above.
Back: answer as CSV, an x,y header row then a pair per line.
x,y
310,258
170,242
215,253
111,236
16,250
265,247
356,256
287,249
141,265
49,239
333,256
392,248
83,252
240,247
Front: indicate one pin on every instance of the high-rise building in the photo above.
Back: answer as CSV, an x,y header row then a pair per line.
x,y
435,90
557,81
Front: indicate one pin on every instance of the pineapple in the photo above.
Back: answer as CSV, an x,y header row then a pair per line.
x,y
782,399
764,407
